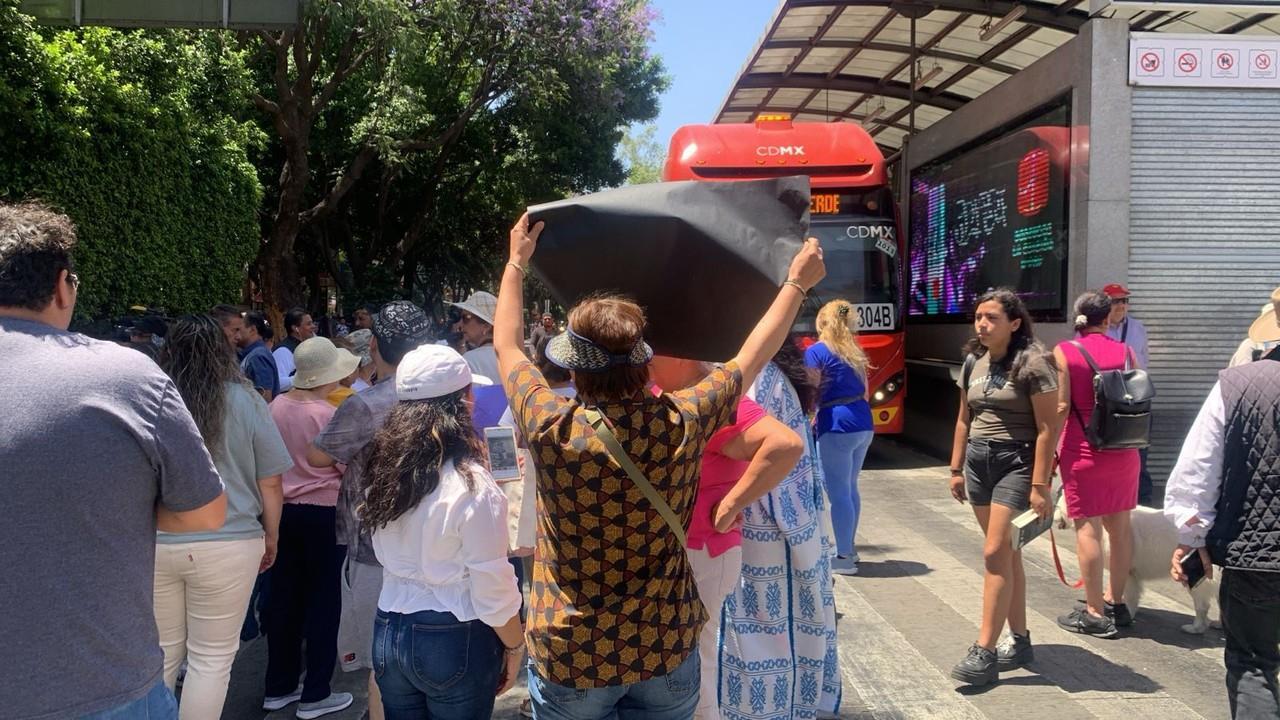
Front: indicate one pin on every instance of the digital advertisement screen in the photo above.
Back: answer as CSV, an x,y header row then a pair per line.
x,y
993,216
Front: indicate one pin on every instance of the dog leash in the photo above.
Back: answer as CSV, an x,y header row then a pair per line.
x,y
1057,564
1053,542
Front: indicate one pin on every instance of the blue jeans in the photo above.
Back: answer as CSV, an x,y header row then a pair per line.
x,y
842,455
429,665
669,697
158,704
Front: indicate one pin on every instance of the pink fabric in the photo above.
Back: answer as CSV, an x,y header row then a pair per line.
x,y
300,421
1094,482
719,474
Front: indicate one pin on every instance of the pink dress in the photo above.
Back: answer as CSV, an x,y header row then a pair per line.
x,y
1094,482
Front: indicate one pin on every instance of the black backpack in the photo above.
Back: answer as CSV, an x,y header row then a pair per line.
x,y
1121,417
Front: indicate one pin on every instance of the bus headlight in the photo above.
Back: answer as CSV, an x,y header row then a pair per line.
x,y
889,390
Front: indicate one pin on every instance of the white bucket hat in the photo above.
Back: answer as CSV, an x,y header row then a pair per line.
x,y
432,371
320,362
481,304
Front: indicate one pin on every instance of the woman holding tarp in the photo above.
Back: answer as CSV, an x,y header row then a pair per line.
x,y
614,616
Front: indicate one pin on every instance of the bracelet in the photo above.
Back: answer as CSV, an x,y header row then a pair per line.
x,y
523,270
795,285
957,471
514,650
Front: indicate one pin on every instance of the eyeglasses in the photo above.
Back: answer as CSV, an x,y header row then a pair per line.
x,y
1122,301
74,279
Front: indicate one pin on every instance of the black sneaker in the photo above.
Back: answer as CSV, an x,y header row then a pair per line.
x,y
1014,652
977,668
1119,612
1079,620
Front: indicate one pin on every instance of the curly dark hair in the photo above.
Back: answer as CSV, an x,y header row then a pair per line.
x,y
201,363
418,438
1023,346
36,244
806,381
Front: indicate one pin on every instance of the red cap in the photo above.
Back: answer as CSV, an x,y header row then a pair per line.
x,y
1116,290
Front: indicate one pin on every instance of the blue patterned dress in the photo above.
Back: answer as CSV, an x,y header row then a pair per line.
x,y
778,630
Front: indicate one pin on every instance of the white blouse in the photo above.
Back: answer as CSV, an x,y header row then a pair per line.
x,y
449,553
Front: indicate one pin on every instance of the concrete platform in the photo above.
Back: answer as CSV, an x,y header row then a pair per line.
x,y
912,614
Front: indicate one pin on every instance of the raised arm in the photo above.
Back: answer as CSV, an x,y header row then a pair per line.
x,y
508,328
807,269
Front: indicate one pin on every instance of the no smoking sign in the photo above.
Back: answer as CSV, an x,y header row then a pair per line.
x,y
1186,63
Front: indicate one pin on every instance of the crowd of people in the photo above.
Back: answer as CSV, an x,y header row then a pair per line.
x,y
677,523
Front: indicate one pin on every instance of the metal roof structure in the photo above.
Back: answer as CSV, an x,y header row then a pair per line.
x,y
850,60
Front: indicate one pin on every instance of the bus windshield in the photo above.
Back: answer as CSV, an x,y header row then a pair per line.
x,y
861,254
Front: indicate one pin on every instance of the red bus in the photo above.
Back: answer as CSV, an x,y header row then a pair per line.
x,y
852,213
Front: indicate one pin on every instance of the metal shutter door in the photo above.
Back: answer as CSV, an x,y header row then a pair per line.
x,y
1204,243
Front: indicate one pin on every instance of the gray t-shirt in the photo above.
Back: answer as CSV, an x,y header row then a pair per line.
x,y
94,435
348,438
1000,409
251,449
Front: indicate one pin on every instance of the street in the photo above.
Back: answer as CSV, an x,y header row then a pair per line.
x,y
913,611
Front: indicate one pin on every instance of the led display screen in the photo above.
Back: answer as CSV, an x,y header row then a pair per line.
x,y
993,216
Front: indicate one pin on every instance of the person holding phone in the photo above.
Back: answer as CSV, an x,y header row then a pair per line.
x,y
448,637
1224,497
1002,463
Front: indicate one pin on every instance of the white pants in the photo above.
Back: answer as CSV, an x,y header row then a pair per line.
x,y
716,577
201,594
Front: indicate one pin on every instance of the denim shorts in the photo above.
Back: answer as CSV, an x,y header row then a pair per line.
x,y
999,471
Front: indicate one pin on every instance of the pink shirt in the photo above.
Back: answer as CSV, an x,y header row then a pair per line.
x,y
719,474
300,421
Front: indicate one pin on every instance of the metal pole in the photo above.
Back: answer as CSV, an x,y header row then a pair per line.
x,y
911,108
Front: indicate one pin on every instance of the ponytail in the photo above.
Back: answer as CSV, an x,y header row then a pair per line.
x,y
835,331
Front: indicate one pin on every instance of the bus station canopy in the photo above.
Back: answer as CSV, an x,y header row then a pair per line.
x,y
833,60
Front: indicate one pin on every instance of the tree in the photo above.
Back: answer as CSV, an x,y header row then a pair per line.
x,y
136,136
642,154
392,120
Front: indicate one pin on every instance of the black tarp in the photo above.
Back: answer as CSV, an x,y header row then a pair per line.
x,y
704,259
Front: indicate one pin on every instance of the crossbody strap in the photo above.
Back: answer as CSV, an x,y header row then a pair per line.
x,y
620,456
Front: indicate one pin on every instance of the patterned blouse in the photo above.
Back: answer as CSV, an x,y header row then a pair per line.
x,y
613,600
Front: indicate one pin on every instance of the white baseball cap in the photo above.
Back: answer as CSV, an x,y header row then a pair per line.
x,y
431,371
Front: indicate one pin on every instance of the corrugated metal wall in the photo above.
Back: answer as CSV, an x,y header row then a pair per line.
x,y
1204,250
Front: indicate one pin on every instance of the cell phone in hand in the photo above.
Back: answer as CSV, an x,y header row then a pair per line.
x,y
501,444
1192,567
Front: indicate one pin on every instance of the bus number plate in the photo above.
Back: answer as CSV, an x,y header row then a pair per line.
x,y
875,316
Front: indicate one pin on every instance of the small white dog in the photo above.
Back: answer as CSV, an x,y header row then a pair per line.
x,y
1154,540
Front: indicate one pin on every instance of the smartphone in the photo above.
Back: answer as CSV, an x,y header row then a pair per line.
x,y
1192,568
501,445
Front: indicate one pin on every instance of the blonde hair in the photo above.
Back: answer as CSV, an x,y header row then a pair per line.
x,y
835,330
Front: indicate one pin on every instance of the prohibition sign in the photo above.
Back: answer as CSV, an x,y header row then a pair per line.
x,y
1150,62
1187,62
1262,61
1225,61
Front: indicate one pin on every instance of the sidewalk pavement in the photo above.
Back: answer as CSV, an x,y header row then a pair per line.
x,y
913,611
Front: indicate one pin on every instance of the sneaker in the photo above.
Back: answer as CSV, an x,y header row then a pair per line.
x,y
1119,613
844,566
272,704
1014,652
332,704
977,668
1079,620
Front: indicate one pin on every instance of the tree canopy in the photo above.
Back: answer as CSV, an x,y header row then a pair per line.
x,y
386,144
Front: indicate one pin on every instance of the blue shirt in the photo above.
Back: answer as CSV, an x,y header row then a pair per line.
x,y
259,366
843,407
1133,333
